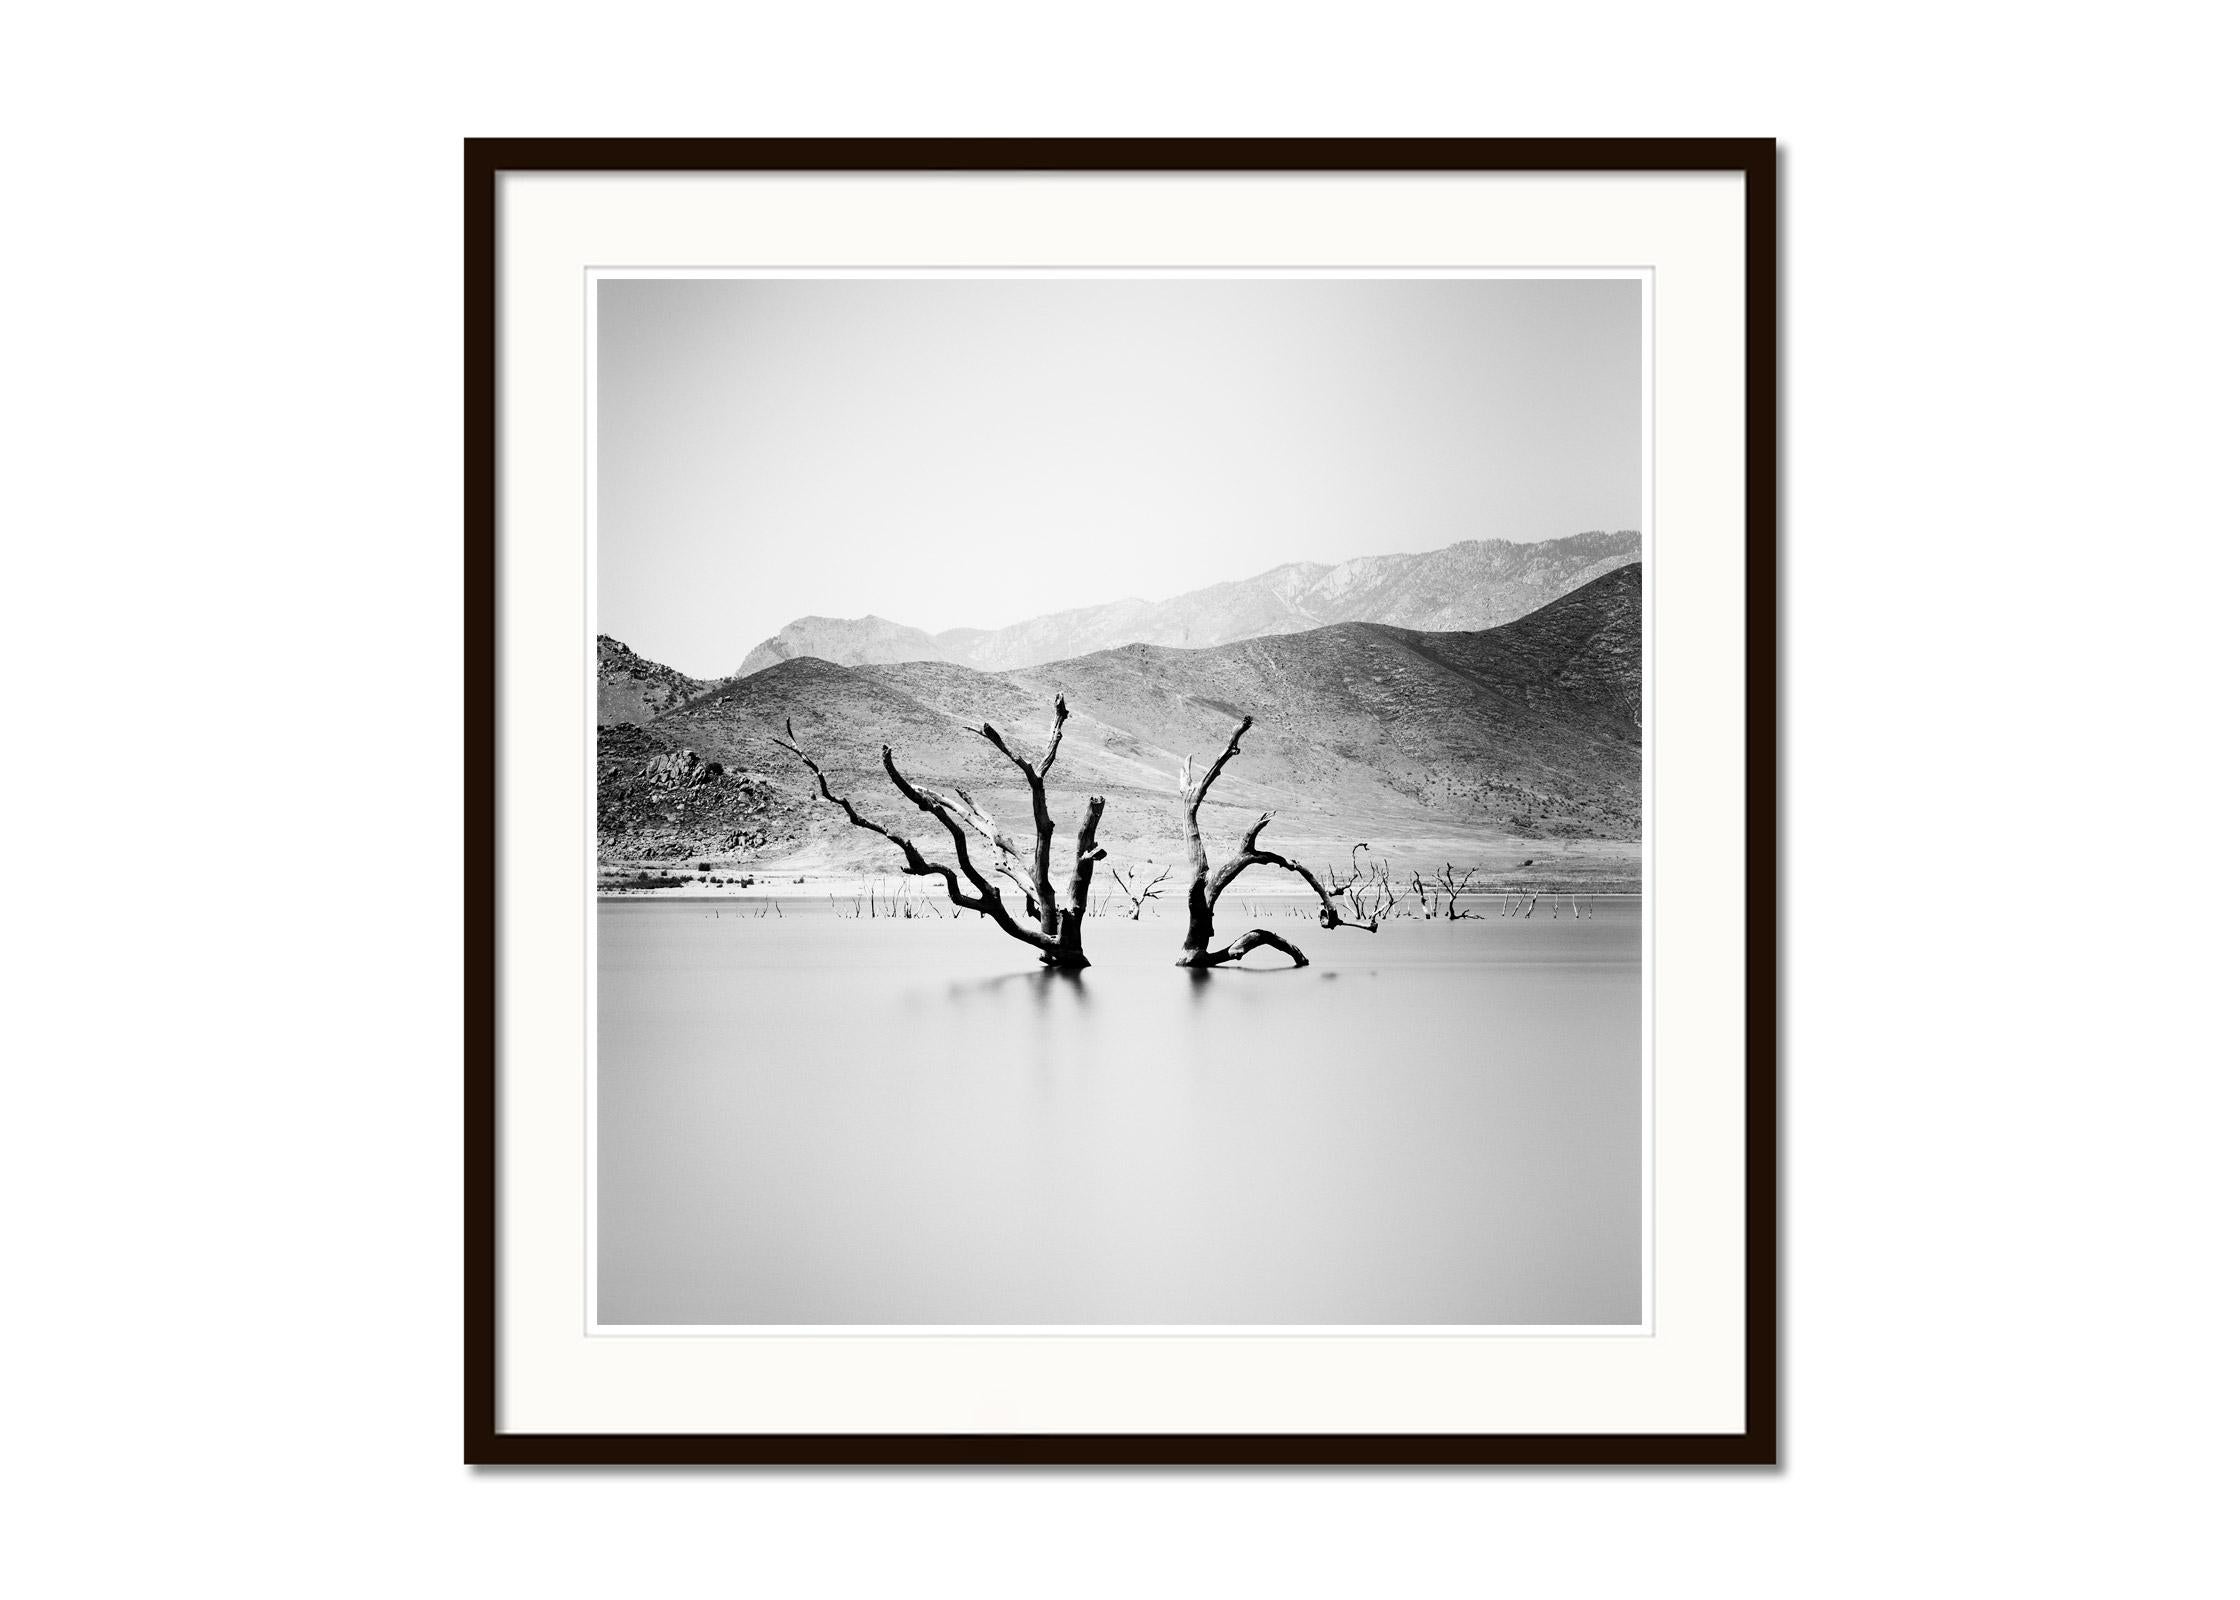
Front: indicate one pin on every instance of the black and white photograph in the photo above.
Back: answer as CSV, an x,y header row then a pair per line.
x,y
1119,801
1044,803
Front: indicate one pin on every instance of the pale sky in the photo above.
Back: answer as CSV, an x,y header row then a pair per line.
x,y
972,452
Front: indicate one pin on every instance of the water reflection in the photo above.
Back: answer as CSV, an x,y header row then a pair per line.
x,y
819,1120
1040,982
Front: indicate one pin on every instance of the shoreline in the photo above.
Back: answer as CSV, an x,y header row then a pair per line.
x,y
1563,867
857,889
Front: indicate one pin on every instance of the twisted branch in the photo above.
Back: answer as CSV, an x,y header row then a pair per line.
x,y
1250,941
1010,862
1042,899
1057,931
988,901
914,862
1194,797
1138,898
1249,854
1206,885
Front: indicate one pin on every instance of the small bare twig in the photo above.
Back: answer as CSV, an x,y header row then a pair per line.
x,y
1138,898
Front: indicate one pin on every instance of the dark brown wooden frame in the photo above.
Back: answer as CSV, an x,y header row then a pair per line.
x,y
487,162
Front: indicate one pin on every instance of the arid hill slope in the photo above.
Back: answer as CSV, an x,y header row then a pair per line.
x,y
633,689
1530,731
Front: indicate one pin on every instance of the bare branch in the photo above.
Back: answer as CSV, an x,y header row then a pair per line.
x,y
1057,732
991,897
1367,889
1247,943
1249,854
1206,885
1033,774
1139,898
913,861
1086,854
1197,796
986,900
1009,862
1057,930
1044,896
985,824
1452,889
1248,851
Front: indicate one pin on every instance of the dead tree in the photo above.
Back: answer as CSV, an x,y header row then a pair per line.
x,y
1138,898
1206,884
1051,924
1447,887
1367,889
1453,889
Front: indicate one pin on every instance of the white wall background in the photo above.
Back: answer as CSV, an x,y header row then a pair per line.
x,y
229,1148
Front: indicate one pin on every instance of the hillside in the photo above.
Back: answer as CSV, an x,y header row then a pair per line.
x,y
1527,731
1466,587
662,801
633,689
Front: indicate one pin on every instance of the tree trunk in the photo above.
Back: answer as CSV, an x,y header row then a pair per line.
x,y
1206,885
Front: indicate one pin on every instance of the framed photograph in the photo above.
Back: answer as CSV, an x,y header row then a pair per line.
x,y
1121,801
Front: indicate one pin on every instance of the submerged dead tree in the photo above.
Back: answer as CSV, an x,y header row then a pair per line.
x,y
1451,888
1139,896
1052,924
1206,883
1368,891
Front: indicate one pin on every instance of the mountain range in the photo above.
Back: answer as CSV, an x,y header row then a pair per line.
x,y
1528,730
1465,587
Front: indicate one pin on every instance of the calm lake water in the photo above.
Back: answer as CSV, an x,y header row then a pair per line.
x,y
831,1120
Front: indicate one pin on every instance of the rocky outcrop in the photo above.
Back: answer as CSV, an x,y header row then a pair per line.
x,y
680,769
659,801
633,689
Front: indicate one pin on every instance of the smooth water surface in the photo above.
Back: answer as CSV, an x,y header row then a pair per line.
x,y
820,1119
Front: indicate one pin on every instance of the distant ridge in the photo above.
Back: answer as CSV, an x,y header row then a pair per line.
x,y
1465,587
